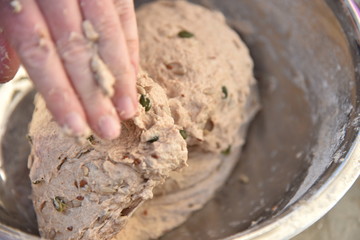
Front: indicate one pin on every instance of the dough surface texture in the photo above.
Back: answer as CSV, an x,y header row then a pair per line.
x,y
194,71
93,188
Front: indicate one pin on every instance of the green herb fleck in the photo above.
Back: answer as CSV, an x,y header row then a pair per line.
x,y
153,139
225,92
227,151
183,133
185,34
91,139
29,139
145,102
59,204
37,181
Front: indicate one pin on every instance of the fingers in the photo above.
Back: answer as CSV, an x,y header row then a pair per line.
x,y
28,34
66,68
76,53
9,63
113,49
126,12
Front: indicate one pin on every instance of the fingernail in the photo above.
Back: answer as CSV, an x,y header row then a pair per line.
x,y
75,124
109,127
125,108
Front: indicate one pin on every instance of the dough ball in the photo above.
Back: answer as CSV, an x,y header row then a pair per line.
x,y
204,67
206,71
88,191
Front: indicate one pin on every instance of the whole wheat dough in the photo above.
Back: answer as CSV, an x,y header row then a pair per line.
x,y
202,96
215,57
87,191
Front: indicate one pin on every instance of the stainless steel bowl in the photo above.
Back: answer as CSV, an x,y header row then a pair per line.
x,y
303,148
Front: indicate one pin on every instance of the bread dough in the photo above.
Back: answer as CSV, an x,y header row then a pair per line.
x,y
200,87
167,211
215,57
195,71
88,191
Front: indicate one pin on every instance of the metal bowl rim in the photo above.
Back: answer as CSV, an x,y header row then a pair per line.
x,y
314,204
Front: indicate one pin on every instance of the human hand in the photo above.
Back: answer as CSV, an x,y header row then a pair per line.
x,y
49,39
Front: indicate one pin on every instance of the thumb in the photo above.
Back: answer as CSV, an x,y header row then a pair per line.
x,y
9,62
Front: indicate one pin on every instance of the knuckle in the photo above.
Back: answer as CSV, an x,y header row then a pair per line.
x,y
124,72
124,6
74,50
108,28
59,95
133,44
59,101
88,99
35,52
94,104
125,9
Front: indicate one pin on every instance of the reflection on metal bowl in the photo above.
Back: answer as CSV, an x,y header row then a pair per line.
x,y
303,148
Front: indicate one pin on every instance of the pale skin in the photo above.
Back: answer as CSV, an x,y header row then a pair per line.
x,y
47,38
